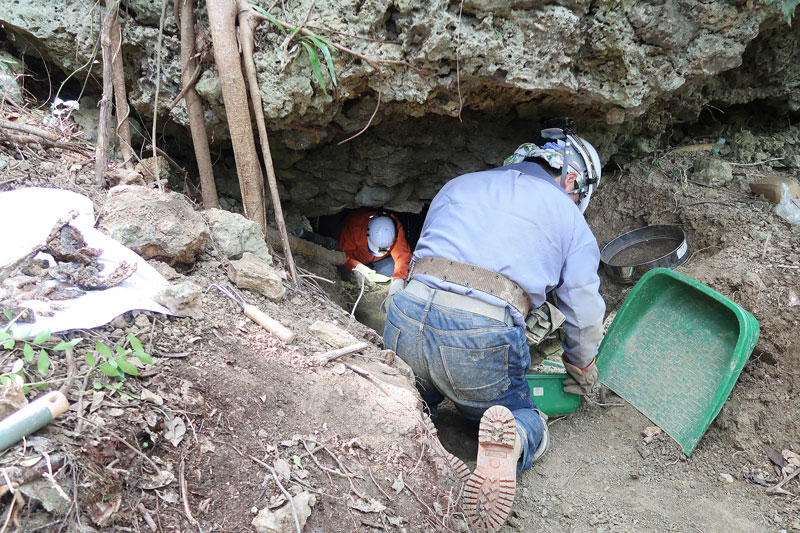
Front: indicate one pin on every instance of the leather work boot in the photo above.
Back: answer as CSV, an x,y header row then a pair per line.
x,y
445,461
490,489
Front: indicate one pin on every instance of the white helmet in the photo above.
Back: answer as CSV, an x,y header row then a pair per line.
x,y
580,156
381,233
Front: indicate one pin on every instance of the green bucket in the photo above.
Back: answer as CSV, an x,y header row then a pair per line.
x,y
549,396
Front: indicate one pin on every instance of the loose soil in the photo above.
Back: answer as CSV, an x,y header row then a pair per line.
x,y
249,403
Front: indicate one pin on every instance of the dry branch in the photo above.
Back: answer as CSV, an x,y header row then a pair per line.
x,y
101,152
247,24
327,357
120,94
190,71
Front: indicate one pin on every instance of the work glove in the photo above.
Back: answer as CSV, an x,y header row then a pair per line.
x,y
582,381
370,275
396,286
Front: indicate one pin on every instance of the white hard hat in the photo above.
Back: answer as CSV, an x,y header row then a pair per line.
x,y
381,233
589,162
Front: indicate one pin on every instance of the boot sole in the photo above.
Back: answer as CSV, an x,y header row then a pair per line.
x,y
489,491
444,461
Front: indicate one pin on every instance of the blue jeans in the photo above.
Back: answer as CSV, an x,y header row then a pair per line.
x,y
473,360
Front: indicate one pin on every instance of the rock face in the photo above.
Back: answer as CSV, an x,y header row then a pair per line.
x,y
625,70
155,225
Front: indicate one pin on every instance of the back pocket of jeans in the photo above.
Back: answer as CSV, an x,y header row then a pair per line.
x,y
390,336
477,375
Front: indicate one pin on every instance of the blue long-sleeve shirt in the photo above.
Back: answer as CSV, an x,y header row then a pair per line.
x,y
516,220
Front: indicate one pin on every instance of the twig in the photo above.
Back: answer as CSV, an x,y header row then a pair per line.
x,y
778,488
786,266
374,112
766,243
355,305
756,163
377,485
186,88
184,496
327,357
321,467
314,276
158,88
147,518
70,371
573,475
283,490
124,442
285,45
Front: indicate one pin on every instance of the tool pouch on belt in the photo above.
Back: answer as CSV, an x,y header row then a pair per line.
x,y
541,322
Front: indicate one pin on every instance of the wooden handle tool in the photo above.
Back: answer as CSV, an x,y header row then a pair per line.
x,y
255,314
30,418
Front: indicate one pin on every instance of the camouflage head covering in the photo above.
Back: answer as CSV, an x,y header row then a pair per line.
x,y
551,152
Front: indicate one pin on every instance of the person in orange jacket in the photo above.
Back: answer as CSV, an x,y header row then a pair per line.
x,y
376,248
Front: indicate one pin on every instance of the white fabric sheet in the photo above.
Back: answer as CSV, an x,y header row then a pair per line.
x,y
26,218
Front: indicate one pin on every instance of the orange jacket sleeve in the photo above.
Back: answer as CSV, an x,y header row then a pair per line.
x,y
401,253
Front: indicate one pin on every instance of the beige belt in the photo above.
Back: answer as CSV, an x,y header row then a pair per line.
x,y
474,277
456,301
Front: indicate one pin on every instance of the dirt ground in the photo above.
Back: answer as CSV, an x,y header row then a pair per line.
x,y
244,418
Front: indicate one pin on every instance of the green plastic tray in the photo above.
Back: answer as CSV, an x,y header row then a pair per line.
x,y
674,352
549,396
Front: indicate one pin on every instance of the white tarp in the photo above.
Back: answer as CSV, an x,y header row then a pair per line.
x,y
26,218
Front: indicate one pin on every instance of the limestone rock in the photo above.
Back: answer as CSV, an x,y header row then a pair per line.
x,y
235,235
11,399
282,520
332,334
10,68
182,299
252,272
154,224
713,171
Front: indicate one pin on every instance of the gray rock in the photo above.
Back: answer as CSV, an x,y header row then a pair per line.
x,y
154,224
182,299
332,334
235,235
282,520
10,70
713,171
252,272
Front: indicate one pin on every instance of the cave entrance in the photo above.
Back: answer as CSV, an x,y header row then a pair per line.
x,y
367,298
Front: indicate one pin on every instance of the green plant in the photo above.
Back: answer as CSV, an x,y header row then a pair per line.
x,y
309,42
787,8
116,364
34,352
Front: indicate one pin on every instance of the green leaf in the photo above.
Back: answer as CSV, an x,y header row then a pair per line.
x,y
43,362
297,461
28,352
113,363
9,344
91,360
270,17
136,344
314,58
97,385
144,357
120,350
5,381
63,345
323,44
103,350
113,386
4,335
8,313
108,370
42,336
127,367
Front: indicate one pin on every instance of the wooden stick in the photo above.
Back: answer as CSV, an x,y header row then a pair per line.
x,y
777,488
327,357
265,321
